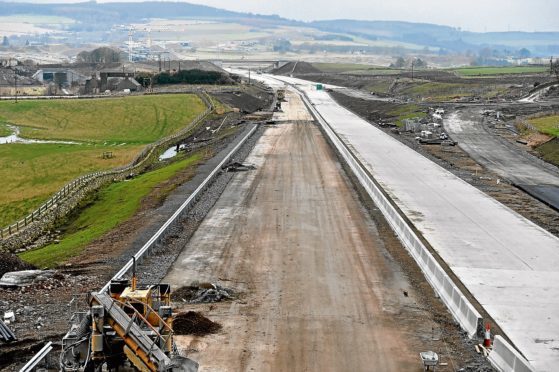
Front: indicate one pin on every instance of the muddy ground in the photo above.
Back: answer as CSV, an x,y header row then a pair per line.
x,y
322,281
43,311
457,161
400,85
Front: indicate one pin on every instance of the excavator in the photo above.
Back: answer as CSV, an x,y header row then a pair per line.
x,y
129,326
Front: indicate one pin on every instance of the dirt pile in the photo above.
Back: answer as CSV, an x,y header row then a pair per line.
x,y
247,103
193,323
11,262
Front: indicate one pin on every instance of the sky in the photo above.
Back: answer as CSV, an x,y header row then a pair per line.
x,y
470,15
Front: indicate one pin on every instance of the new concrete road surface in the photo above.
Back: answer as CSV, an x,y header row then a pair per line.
x,y
318,290
508,263
526,172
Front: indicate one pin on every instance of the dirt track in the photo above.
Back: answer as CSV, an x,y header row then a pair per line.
x,y
318,288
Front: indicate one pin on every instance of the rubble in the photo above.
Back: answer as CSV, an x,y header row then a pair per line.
x,y
202,293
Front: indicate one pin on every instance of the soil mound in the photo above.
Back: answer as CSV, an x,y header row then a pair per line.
x,y
11,262
193,323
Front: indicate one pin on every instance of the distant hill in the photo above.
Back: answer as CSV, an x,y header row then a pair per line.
x,y
92,16
450,38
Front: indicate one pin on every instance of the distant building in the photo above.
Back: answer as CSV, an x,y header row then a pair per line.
x,y
61,76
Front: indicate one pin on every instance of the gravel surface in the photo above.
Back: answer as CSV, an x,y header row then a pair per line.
x,y
154,269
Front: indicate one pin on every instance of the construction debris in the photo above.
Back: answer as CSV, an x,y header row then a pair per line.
x,y
202,293
6,333
25,277
193,323
238,167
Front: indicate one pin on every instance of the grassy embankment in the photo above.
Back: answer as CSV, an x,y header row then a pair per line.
x,y
31,173
106,210
404,112
548,125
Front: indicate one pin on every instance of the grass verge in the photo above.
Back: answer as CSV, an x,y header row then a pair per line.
x,y
107,209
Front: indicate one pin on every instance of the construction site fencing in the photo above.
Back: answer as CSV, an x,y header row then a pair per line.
x,y
184,207
462,310
77,184
505,358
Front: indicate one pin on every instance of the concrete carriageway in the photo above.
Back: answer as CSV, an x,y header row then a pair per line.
x,y
318,289
509,264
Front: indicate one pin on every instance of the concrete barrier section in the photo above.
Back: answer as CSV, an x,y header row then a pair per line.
x,y
462,310
505,358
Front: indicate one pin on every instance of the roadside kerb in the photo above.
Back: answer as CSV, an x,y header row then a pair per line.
x,y
156,238
461,309
505,358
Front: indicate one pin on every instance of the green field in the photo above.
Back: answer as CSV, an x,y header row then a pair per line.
x,y
136,119
486,71
31,173
4,130
547,124
110,207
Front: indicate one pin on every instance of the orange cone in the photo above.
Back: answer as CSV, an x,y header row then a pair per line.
x,y
487,338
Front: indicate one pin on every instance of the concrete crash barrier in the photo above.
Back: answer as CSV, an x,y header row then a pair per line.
x,y
461,309
505,358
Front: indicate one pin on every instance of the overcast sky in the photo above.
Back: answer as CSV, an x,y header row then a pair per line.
x,y
473,15
470,15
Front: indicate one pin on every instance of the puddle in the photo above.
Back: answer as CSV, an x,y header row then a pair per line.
x,y
171,152
15,138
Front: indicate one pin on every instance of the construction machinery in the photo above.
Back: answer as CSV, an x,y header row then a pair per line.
x,y
128,325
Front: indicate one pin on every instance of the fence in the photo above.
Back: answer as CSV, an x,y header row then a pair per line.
x,y
157,237
82,181
462,310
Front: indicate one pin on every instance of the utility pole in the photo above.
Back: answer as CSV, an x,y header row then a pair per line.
x,y
412,62
249,76
15,84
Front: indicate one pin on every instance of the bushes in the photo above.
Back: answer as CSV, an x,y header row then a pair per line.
x,y
191,77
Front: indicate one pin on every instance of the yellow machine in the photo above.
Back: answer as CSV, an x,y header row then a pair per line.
x,y
129,323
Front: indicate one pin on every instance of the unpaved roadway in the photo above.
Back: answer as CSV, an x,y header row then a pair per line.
x,y
318,290
523,170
